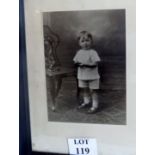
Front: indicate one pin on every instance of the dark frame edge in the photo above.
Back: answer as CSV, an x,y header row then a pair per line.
x,y
24,121
24,118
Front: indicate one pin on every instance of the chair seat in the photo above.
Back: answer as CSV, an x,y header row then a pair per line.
x,y
61,71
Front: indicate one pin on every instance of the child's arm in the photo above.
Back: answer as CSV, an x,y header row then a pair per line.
x,y
76,59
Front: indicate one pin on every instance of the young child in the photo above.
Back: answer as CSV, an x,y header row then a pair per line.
x,y
87,60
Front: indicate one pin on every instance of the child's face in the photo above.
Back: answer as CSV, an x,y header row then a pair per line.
x,y
85,42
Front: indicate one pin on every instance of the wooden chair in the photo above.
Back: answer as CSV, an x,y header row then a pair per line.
x,y
54,71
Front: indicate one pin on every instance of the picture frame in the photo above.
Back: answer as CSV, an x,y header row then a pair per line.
x,y
33,122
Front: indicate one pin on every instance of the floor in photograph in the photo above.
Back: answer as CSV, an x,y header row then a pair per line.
x,y
112,100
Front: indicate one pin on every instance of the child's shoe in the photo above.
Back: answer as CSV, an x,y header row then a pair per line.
x,y
83,105
92,110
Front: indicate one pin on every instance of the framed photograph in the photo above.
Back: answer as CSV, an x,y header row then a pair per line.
x,y
80,58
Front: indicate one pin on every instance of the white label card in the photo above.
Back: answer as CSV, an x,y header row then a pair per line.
x,y
82,146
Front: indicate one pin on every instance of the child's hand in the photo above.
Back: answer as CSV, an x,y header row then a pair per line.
x,y
78,64
81,64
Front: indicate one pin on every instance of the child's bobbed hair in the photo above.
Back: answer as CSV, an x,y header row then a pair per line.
x,y
85,34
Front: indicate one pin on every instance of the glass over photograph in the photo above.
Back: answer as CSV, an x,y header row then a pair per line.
x,y
85,64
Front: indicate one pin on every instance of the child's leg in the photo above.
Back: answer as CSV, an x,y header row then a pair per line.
x,y
95,104
94,99
86,97
94,86
85,93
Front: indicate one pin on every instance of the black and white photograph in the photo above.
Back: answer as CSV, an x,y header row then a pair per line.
x,y
85,66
